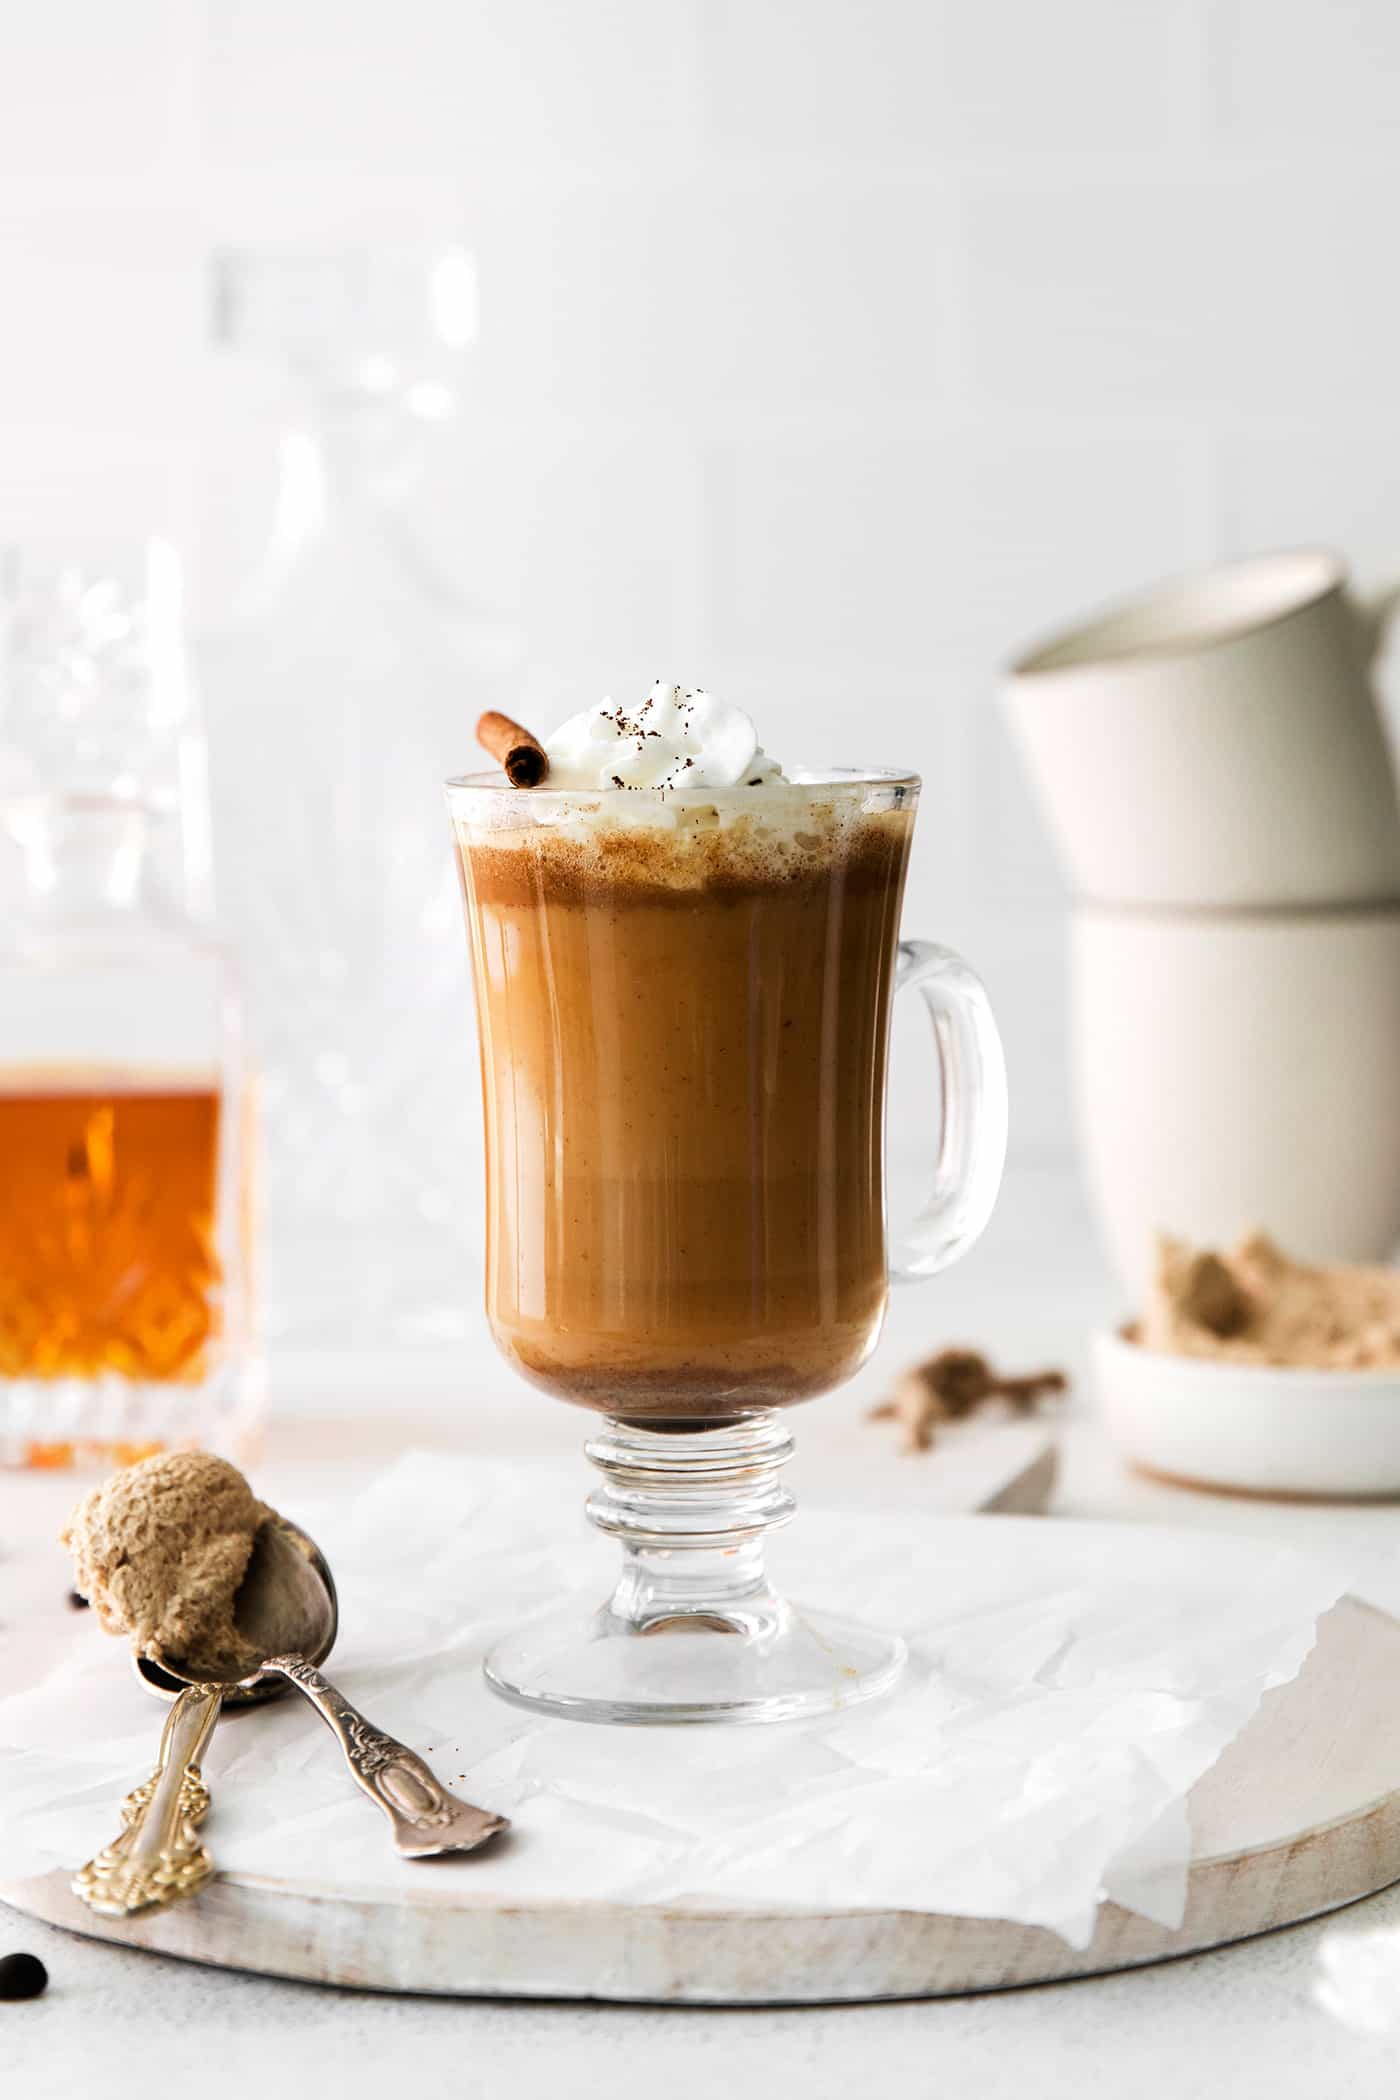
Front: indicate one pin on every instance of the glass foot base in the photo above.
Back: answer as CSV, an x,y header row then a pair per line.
x,y
587,1665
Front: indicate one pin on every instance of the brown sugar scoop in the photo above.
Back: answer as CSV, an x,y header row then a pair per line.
x,y
514,747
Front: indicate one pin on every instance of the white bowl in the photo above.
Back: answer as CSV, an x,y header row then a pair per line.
x,y
1250,1429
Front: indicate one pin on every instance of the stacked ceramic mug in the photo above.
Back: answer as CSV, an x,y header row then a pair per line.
x,y
1213,766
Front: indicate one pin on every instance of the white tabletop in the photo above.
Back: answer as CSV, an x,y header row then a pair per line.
x,y
1240,2021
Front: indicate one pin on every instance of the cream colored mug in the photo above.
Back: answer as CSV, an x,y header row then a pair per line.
x,y
1216,743
1235,1070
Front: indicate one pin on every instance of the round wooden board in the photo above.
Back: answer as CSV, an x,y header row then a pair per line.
x,y
1300,1816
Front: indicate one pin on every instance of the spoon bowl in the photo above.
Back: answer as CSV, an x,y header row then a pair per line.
x,y
286,1604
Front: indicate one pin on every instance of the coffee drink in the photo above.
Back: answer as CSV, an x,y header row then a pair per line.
x,y
685,960
683,1022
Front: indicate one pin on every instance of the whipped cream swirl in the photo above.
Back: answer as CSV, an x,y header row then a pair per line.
x,y
675,739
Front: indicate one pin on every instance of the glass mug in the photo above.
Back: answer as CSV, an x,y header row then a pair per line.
x,y
683,1001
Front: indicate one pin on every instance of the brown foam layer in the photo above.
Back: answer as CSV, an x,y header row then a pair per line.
x,y
581,863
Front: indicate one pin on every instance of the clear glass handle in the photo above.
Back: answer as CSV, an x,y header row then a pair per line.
x,y
972,1143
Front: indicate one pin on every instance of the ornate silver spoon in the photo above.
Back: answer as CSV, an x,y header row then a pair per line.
x,y
286,1606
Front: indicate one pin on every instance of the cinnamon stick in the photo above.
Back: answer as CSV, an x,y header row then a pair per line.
x,y
512,746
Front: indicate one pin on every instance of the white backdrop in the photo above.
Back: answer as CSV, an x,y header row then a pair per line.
x,y
829,348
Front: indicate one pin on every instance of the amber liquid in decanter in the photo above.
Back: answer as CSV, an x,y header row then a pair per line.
x,y
107,1228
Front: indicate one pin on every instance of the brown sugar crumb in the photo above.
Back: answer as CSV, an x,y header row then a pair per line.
x,y
954,1384
1212,1296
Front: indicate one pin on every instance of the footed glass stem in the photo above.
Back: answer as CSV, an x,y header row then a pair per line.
x,y
694,1630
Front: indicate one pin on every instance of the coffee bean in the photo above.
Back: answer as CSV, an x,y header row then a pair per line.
x,y
22,1976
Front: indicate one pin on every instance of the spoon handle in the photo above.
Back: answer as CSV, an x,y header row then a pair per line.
x,y
426,1819
158,1857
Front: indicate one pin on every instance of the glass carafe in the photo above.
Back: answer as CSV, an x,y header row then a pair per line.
x,y
346,678
124,1321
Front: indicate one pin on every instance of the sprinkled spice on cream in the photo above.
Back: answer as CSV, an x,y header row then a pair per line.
x,y
677,737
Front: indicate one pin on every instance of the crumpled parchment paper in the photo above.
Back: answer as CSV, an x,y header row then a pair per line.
x,y
1068,1685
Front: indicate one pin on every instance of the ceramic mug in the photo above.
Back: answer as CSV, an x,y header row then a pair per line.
x,y
1215,743
1233,1071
